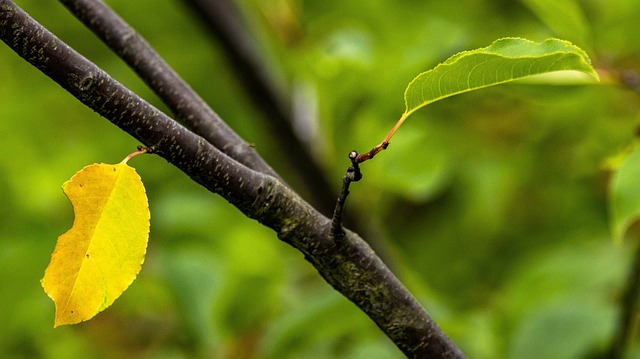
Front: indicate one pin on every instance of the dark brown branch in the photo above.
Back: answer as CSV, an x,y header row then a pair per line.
x,y
164,81
225,22
350,266
353,175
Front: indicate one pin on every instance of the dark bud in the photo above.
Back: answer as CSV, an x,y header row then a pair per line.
x,y
353,172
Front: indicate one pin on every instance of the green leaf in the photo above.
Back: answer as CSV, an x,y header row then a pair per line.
x,y
503,61
564,17
624,195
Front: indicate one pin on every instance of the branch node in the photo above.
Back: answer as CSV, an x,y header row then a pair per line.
x,y
86,83
353,172
149,150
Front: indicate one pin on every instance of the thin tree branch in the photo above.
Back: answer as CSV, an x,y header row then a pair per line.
x,y
225,22
350,266
353,175
630,312
164,81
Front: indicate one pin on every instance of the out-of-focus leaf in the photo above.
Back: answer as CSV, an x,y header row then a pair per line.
x,y
559,300
564,17
196,275
624,195
101,255
503,61
330,317
580,323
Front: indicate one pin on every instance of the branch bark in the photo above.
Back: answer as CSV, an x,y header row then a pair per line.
x,y
226,24
348,264
164,81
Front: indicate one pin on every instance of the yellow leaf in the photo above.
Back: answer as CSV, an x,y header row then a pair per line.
x,y
101,255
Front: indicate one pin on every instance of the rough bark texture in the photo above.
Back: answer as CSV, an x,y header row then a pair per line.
x,y
225,23
190,109
349,264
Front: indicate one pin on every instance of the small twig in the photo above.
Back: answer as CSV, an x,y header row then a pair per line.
x,y
374,151
353,175
385,143
629,313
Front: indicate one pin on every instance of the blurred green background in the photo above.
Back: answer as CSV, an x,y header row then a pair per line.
x,y
491,206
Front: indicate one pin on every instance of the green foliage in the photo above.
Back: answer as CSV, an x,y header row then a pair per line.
x,y
625,193
564,17
491,206
503,61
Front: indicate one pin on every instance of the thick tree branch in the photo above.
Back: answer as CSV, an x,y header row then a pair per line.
x,y
164,81
349,265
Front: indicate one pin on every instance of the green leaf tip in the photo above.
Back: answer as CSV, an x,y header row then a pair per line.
x,y
505,60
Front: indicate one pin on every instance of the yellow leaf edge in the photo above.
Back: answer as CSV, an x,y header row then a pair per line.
x,y
106,303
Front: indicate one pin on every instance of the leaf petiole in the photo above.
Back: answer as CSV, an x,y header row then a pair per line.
x,y
140,151
385,143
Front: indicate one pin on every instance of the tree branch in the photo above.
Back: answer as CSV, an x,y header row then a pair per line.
x,y
226,24
353,175
629,312
164,81
350,266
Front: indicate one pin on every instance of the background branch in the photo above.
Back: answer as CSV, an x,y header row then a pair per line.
x,y
225,23
628,317
350,266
